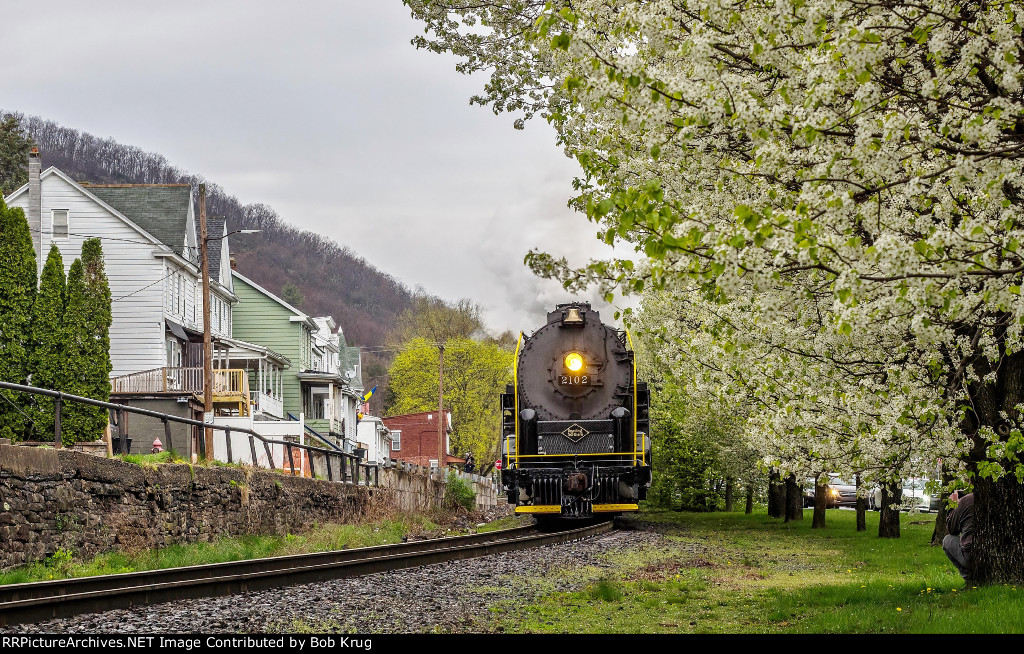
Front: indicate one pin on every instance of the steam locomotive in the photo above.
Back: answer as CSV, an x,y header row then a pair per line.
x,y
575,423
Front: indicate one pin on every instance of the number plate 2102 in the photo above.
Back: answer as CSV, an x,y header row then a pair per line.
x,y
574,380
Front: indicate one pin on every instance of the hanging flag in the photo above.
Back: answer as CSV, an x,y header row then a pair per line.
x,y
367,396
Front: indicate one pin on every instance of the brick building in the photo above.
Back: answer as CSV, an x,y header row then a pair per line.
x,y
414,438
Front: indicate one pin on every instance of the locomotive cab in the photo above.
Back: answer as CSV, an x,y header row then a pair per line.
x,y
575,422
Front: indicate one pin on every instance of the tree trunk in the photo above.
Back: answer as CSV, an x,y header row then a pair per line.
x,y
728,494
939,532
997,555
862,507
794,500
820,497
776,495
750,498
940,517
889,517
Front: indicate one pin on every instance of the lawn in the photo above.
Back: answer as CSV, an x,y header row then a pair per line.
x,y
736,573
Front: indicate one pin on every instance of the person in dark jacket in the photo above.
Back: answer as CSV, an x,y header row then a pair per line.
x,y
960,528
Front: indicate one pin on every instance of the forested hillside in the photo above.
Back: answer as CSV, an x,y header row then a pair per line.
x,y
330,277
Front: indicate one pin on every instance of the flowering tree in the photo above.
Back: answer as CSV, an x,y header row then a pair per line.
x,y
865,154
818,400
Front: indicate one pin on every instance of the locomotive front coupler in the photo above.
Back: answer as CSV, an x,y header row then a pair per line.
x,y
580,481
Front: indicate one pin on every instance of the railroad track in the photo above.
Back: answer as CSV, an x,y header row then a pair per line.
x,y
61,598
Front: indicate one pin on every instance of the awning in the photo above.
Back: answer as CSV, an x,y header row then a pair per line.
x,y
241,350
176,329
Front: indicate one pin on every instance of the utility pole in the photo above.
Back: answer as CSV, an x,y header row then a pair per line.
x,y
207,340
440,409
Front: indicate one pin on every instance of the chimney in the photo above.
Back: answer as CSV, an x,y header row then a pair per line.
x,y
35,206
234,264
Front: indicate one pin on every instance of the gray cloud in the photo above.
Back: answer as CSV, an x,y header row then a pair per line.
x,y
324,111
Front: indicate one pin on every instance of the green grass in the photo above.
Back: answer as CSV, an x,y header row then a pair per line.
x,y
63,564
170,456
733,573
508,522
151,460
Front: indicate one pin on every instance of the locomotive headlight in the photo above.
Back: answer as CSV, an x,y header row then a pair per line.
x,y
573,362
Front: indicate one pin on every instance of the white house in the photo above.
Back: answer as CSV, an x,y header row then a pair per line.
x,y
332,385
151,256
376,438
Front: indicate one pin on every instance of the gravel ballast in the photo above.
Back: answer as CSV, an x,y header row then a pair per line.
x,y
454,597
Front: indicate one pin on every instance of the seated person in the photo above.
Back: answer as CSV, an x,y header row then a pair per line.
x,y
960,528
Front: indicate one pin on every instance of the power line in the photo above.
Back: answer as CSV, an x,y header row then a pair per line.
x,y
375,349
123,240
11,402
102,238
173,272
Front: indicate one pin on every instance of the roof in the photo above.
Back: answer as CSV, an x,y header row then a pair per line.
x,y
214,240
160,209
237,344
321,375
418,419
113,210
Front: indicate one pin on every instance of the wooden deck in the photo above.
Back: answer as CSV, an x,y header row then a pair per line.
x,y
230,386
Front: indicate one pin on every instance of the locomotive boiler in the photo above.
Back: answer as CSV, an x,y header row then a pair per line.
x,y
575,423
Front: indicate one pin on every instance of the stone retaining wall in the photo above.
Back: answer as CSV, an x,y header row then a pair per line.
x,y
52,499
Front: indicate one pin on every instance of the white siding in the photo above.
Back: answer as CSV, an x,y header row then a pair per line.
x,y
183,301
137,332
220,315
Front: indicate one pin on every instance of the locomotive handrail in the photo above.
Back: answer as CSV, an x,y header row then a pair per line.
x,y
515,380
629,339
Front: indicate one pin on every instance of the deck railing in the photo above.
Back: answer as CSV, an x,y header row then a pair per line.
x,y
268,404
233,382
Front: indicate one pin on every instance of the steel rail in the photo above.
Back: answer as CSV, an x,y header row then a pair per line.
x,y
61,598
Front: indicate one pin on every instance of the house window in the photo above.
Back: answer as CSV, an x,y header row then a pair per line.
x,y
174,293
60,223
173,353
181,295
396,442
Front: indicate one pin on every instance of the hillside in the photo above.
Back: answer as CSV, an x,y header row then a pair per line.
x,y
333,279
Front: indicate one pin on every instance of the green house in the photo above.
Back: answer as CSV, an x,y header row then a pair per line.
x,y
324,379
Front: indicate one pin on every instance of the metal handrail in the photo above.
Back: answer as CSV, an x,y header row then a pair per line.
x,y
61,397
315,433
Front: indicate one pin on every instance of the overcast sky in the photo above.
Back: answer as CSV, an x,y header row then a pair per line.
x,y
324,111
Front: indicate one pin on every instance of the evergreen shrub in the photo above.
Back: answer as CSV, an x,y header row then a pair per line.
x,y
458,492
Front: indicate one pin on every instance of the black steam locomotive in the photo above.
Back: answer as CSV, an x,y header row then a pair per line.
x,y
575,424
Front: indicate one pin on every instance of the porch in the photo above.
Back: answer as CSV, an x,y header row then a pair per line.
x,y
265,371
231,394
